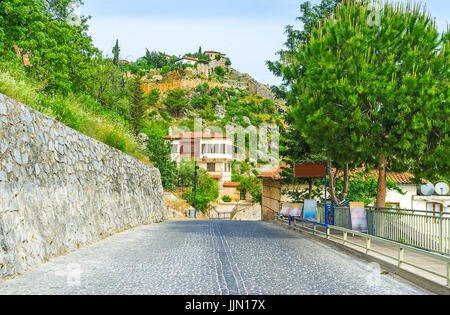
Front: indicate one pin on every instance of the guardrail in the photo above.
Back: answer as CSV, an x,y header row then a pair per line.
x,y
400,258
422,229
219,215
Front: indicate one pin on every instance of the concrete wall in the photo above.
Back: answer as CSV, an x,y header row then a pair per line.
x,y
271,198
251,213
60,190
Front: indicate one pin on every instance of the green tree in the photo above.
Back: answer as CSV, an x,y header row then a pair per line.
x,y
294,147
159,152
137,104
220,71
253,186
60,52
176,102
156,59
374,95
153,97
116,53
106,82
207,192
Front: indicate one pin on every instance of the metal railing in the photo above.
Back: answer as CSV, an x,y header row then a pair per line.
x,y
343,236
422,229
219,215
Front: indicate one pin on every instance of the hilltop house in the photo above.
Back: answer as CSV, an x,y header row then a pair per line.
x,y
214,152
212,54
188,61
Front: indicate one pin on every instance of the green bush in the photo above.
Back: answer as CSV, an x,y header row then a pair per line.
x,y
220,71
115,140
207,192
227,199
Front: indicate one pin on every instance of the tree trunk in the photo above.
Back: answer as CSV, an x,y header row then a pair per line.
x,y
344,192
310,189
332,182
381,194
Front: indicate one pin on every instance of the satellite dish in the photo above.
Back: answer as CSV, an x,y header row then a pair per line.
x,y
441,189
427,189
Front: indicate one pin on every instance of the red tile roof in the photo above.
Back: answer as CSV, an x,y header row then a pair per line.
x,y
400,178
215,176
196,135
273,174
231,184
190,58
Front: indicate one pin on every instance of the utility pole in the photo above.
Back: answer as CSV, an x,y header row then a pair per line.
x,y
195,184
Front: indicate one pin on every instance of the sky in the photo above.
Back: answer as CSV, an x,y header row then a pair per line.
x,y
248,31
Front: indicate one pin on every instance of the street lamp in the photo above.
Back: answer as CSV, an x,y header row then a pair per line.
x,y
195,184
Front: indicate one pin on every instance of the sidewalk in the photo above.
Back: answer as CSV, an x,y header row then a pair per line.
x,y
411,257
434,265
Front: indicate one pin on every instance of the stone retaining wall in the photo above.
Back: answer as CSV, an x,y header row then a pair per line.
x,y
60,190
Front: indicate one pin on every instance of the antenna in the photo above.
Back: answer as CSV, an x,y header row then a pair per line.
x,y
427,189
441,189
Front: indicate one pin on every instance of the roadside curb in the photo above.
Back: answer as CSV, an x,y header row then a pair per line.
x,y
409,276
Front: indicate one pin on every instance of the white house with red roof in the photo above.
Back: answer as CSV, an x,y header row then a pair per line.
x,y
188,61
214,152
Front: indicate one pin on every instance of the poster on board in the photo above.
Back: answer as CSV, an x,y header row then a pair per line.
x,y
292,209
358,217
310,210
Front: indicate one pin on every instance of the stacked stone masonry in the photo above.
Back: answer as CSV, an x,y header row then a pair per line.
x,y
60,190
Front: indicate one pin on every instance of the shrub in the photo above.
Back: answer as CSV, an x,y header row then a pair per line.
x,y
115,140
252,185
207,192
220,71
226,199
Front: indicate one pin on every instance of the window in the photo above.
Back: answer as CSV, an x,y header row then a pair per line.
x,y
434,207
243,194
175,148
227,167
211,167
393,205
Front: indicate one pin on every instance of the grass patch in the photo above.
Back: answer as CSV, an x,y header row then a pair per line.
x,y
70,110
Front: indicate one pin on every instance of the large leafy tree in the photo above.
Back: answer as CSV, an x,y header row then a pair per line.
x,y
176,102
374,94
60,52
155,59
293,145
158,151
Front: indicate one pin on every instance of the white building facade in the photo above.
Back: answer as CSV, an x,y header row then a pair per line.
x,y
213,151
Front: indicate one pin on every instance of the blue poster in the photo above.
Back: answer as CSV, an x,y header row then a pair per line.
x,y
310,210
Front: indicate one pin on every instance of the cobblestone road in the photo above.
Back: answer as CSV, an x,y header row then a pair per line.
x,y
206,257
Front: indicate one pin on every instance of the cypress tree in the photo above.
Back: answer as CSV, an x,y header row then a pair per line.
x,y
116,52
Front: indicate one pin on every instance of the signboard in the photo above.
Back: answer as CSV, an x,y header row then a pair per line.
x,y
358,217
292,209
309,170
310,210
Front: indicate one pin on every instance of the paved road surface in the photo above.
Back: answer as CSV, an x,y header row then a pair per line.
x,y
206,257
